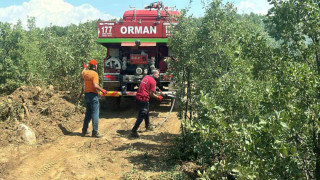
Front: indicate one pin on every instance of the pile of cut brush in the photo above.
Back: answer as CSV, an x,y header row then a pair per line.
x,y
43,110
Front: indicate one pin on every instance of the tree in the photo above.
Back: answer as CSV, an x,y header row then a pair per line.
x,y
249,104
11,76
53,55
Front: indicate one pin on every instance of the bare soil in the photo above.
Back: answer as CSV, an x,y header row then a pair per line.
x,y
61,152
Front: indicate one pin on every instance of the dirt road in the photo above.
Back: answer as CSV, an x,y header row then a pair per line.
x,y
115,156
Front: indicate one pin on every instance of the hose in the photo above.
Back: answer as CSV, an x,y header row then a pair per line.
x,y
166,119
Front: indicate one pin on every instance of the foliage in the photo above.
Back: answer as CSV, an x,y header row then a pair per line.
x,y
248,103
296,24
53,55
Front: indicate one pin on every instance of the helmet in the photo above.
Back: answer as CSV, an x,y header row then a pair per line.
x,y
93,62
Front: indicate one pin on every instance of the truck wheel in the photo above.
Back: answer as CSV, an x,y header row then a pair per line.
x,y
112,103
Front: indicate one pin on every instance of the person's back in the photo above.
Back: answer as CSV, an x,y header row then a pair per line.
x,y
147,84
90,77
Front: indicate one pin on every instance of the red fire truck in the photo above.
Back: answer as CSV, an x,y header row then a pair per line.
x,y
136,45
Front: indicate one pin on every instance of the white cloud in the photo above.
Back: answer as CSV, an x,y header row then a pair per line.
x,y
48,12
255,6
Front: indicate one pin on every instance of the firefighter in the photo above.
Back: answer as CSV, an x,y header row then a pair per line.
x,y
91,89
147,89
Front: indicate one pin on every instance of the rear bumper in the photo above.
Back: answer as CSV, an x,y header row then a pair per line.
x,y
130,93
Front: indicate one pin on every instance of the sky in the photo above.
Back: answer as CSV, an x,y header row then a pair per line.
x,y
65,12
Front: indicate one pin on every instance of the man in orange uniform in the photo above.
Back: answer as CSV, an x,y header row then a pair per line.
x,y
91,89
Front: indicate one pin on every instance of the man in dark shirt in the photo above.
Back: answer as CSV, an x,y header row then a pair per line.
x,y
147,89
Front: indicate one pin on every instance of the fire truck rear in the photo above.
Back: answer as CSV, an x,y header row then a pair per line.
x,y
136,45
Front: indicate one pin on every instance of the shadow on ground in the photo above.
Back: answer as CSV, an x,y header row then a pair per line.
x,y
158,138
149,156
68,133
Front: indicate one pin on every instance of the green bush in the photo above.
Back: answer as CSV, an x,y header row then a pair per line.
x,y
52,55
249,104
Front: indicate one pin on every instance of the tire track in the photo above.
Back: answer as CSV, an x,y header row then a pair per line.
x,y
45,168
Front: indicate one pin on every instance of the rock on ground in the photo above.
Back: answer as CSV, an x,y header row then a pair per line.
x,y
26,134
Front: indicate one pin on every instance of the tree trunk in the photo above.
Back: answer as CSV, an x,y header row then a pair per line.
x,y
189,96
182,95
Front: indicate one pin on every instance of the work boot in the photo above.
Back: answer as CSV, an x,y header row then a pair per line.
x,y
84,134
150,128
97,135
134,134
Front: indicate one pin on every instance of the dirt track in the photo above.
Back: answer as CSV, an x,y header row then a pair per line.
x,y
115,156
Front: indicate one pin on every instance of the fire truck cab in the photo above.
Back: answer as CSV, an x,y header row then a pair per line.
x,y
136,45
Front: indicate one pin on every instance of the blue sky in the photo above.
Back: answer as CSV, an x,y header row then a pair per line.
x,y
64,12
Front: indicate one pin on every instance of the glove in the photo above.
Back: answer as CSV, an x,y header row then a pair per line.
x,y
84,66
159,98
104,92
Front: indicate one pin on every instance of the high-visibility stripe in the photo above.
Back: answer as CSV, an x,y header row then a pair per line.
x,y
111,93
128,93
114,93
131,93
